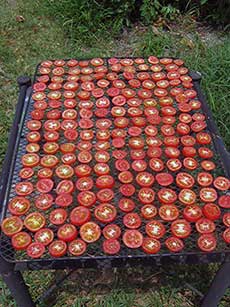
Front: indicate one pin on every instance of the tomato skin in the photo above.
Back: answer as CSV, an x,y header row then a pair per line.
x,y
19,205
35,250
111,246
44,236
205,226
155,229
77,247
151,245
80,215
57,248
192,213
211,211
174,244
181,228
207,242
132,238
90,232
67,232
105,213
164,179
34,221
21,240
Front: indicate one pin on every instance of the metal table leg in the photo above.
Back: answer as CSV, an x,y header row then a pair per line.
x,y
16,284
218,287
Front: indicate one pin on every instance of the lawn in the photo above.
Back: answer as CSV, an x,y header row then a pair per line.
x,y
27,36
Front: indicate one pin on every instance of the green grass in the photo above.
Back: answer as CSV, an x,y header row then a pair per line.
x,y
23,45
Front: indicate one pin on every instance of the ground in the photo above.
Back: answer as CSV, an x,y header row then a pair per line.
x,y
29,36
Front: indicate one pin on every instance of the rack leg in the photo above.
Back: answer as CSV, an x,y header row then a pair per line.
x,y
16,284
218,287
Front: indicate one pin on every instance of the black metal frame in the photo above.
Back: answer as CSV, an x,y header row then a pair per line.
x,y
11,271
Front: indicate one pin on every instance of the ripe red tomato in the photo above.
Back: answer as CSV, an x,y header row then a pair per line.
x,y
44,185
164,179
34,221
148,211
77,247
167,196
208,195
86,198
168,212
67,232
35,250
226,219
105,181
105,213
207,242
11,225
58,216
84,184
111,246
205,226
174,244
65,186
126,205
174,164
221,183
184,180
224,201
132,238
44,201
146,195
208,165
57,248
19,205
151,245
24,188
211,211
192,213
111,231
226,235
132,220
44,236
64,200
190,163
90,232
155,229
80,215
181,228
187,196
21,240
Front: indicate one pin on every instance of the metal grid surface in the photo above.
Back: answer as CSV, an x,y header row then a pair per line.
x,y
94,254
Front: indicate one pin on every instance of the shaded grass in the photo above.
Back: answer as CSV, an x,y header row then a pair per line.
x,y
24,44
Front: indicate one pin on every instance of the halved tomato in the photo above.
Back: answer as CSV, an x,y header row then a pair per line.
x,y
67,232
167,196
24,188
207,242
80,215
35,250
57,248
181,228
44,236
19,205
44,201
86,198
221,183
111,231
205,226
11,225
148,211
21,240
111,246
151,245
187,196
126,204
132,238
34,221
226,235
168,212
105,213
211,211
155,229
90,232
58,216
77,247
174,244
192,213
64,200
132,220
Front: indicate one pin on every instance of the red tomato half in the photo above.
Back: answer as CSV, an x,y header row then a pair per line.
x,y
19,205
105,213
207,242
44,236
174,244
111,246
181,228
205,226
132,238
21,240
35,250
77,247
57,248
90,232
151,245
34,221
155,229
67,232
